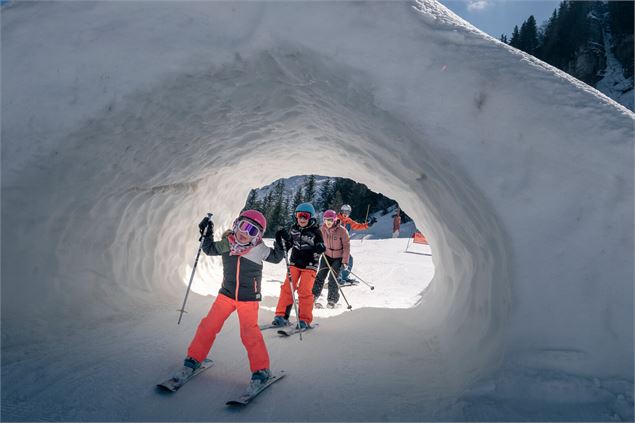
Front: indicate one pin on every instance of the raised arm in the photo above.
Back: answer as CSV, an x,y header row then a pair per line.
x,y
276,254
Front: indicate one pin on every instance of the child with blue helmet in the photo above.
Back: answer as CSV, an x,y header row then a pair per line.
x,y
304,239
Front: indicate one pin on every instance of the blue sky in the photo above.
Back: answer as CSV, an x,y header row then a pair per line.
x,y
497,17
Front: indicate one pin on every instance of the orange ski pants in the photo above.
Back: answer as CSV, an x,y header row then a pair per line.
x,y
303,285
249,331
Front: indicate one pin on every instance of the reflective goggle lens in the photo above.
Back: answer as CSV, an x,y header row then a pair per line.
x,y
303,215
328,219
248,228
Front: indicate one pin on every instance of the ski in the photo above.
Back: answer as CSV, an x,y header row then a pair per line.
x,y
271,326
246,398
293,330
173,383
321,306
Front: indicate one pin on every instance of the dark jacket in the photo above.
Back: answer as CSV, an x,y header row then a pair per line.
x,y
247,269
307,245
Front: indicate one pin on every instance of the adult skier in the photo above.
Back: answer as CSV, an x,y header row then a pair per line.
x,y
396,223
304,239
338,244
350,224
243,253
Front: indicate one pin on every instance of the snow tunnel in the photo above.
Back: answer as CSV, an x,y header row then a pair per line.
x,y
129,220
110,160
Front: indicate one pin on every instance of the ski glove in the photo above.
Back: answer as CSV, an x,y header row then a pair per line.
x,y
345,267
206,227
283,235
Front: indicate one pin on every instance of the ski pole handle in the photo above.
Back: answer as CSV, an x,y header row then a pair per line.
x,y
198,254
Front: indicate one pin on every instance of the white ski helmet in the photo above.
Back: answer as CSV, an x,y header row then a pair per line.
x,y
346,208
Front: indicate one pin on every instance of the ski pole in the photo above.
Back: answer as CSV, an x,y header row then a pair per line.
x,y
198,253
339,288
295,305
371,287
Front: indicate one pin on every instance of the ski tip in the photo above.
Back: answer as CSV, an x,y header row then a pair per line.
x,y
163,388
235,403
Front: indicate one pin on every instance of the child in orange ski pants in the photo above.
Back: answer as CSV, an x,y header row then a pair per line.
x,y
249,331
303,285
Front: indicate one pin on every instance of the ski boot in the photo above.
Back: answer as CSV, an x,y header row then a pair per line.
x,y
280,321
190,365
258,378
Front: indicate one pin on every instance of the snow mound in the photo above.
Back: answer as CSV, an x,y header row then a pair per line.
x,y
124,122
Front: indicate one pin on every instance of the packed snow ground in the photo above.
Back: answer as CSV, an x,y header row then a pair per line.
x,y
124,122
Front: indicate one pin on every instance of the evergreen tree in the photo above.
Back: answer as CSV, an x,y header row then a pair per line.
x,y
252,201
265,207
297,199
278,214
620,15
326,194
286,214
504,38
529,35
548,39
515,40
337,201
309,188
522,35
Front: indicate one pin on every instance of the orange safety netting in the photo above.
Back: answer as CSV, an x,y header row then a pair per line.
x,y
419,238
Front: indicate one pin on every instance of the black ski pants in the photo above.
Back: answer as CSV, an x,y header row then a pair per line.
x,y
323,273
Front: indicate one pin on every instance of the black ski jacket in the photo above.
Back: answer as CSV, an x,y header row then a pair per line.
x,y
307,245
246,269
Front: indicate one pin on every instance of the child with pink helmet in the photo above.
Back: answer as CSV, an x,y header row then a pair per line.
x,y
243,254
338,247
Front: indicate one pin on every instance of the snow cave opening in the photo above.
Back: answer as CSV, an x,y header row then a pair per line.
x,y
392,271
149,169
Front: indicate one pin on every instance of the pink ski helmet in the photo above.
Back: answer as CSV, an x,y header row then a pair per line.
x,y
255,217
329,214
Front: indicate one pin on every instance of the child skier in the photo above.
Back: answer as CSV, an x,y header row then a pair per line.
x,y
306,244
243,253
338,244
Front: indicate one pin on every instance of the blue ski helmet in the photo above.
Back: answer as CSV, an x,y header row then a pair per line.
x,y
306,207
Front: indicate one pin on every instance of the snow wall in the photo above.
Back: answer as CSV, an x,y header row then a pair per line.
x,y
124,122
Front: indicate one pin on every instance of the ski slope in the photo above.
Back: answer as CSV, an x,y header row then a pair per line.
x,y
380,263
123,123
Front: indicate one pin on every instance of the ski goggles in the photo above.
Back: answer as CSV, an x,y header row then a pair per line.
x,y
329,219
248,228
303,215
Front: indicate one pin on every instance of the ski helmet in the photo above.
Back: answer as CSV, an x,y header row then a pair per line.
x,y
306,207
346,208
255,217
330,214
